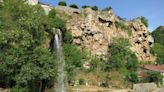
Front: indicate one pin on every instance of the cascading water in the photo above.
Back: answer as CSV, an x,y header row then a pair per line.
x,y
60,85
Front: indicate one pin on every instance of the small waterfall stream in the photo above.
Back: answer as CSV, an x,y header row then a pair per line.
x,y
60,85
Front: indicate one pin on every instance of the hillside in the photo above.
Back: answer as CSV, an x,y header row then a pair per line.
x,y
63,48
158,35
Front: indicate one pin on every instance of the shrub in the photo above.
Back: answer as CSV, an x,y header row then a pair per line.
x,y
74,6
52,13
81,81
74,59
132,77
122,59
124,28
96,64
95,8
85,6
67,37
158,51
62,3
107,8
152,76
144,21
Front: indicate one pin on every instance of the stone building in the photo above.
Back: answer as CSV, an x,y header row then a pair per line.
x,y
33,2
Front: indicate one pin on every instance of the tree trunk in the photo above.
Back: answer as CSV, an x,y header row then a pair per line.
x,y
40,86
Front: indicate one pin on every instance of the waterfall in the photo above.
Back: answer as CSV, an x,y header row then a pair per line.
x,y
60,85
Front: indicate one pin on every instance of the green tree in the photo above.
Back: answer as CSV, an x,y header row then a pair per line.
x,y
95,8
107,8
23,58
62,3
74,6
122,59
85,6
144,21
74,58
158,51
158,35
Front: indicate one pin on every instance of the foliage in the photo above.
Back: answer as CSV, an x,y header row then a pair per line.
x,y
24,61
74,59
85,6
144,21
132,77
107,8
81,81
122,59
56,22
62,3
158,51
74,6
152,76
52,13
124,28
158,47
158,35
95,8
96,64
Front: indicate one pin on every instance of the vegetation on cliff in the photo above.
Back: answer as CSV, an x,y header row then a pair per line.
x,y
29,64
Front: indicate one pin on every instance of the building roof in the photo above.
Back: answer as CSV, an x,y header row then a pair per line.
x,y
158,68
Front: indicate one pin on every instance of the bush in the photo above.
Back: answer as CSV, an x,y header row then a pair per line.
x,y
158,51
152,76
74,59
52,13
124,28
95,8
74,6
132,77
67,37
144,21
107,8
96,64
122,59
81,81
62,3
85,6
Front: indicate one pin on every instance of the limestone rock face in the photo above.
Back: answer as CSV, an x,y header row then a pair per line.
x,y
95,31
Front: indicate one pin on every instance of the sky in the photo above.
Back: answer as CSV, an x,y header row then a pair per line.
x,y
153,10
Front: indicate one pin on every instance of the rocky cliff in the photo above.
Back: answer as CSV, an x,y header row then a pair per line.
x,y
95,30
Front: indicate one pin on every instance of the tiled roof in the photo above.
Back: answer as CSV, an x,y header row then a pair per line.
x,y
158,68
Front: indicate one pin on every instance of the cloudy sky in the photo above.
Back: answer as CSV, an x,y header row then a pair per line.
x,y
153,10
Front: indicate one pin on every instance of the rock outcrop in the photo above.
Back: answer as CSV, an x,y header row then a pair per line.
x,y
94,30
141,41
